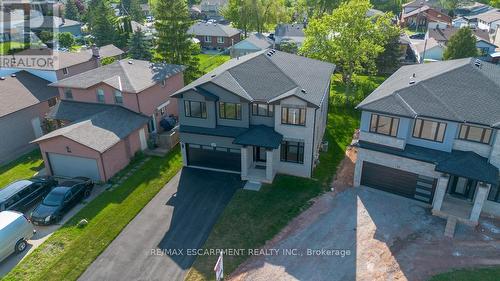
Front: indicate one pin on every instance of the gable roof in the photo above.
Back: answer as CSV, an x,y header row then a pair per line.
x,y
101,130
444,34
269,76
489,16
455,90
57,22
290,30
22,91
256,41
212,29
131,76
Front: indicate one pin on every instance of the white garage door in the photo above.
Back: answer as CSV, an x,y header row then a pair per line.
x,y
72,166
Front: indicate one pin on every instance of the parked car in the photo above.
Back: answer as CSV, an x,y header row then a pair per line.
x,y
61,199
21,195
420,36
15,231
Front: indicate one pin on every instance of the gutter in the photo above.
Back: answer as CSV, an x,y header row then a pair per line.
x,y
313,148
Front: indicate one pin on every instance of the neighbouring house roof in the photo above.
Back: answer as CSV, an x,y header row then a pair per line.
x,y
101,130
260,135
269,76
461,163
131,76
69,110
256,41
136,26
420,3
462,90
424,46
56,22
490,16
444,34
22,91
441,17
290,30
212,29
68,59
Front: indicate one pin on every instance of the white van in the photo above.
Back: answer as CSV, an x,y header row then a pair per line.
x,y
15,231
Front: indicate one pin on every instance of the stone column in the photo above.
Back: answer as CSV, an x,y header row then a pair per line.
x,y
440,192
269,164
184,154
244,162
481,194
357,171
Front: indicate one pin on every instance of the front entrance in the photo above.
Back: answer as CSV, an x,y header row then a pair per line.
x,y
462,187
259,154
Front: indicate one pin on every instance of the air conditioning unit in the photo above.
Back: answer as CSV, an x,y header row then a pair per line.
x,y
324,146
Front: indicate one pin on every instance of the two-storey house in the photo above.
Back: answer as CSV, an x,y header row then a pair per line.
x,y
257,115
430,132
107,114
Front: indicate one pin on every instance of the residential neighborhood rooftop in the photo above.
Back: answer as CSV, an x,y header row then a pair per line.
x,y
444,34
290,30
22,90
257,41
462,90
490,16
269,76
212,29
132,76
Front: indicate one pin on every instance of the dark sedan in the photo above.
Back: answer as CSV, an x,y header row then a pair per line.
x,y
21,195
60,200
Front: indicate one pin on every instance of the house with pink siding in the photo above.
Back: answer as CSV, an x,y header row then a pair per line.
x,y
106,116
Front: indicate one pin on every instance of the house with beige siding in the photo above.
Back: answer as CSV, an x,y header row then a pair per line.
x,y
257,115
431,133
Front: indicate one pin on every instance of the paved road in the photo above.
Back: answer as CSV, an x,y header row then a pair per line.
x,y
43,233
179,217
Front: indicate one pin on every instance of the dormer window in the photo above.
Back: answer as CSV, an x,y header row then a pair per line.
x,y
475,133
65,71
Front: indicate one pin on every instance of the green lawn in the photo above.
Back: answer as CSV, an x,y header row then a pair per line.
x,y
70,250
6,46
23,167
209,62
482,274
252,218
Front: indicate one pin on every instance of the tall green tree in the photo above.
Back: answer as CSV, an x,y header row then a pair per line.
x,y
388,60
66,39
138,47
132,8
461,45
348,38
103,22
71,10
174,42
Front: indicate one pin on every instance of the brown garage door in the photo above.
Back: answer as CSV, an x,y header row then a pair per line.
x,y
398,182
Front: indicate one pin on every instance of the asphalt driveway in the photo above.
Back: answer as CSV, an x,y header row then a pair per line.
x,y
154,245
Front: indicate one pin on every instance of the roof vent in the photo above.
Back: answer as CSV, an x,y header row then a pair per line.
x,y
269,54
303,91
130,62
13,75
2,78
213,75
477,63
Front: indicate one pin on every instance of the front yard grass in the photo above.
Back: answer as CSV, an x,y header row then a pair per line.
x,y
23,167
483,274
252,218
70,250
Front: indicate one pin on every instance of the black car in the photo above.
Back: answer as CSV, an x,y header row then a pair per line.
x,y
420,36
21,195
61,199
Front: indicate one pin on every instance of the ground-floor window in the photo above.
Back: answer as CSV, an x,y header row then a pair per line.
x,y
292,151
495,193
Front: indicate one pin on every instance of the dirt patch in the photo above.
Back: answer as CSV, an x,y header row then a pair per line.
x,y
344,176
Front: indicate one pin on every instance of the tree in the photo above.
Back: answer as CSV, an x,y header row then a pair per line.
x,y
66,39
388,60
71,10
132,8
174,42
103,22
138,47
450,5
461,45
348,38
289,46
46,36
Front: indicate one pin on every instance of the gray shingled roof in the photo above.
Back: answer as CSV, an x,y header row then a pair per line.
x,y
69,110
102,130
131,76
23,91
260,135
263,77
258,40
290,30
444,34
212,29
455,90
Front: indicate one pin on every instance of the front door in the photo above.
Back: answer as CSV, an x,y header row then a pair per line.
x,y
462,187
259,154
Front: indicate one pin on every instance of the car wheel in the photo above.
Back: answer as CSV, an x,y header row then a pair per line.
x,y
21,245
87,193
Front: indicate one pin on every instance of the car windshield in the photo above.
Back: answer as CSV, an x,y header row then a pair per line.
x,y
53,199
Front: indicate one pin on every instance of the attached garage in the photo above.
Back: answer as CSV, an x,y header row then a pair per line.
x,y
73,166
221,158
399,182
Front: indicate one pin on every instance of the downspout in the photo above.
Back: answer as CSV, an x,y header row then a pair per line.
x,y
103,168
138,103
313,148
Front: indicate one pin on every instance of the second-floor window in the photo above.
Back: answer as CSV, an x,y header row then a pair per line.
x,y
100,95
220,40
229,110
118,97
195,109
262,109
429,130
384,125
65,71
293,116
68,94
208,39
474,133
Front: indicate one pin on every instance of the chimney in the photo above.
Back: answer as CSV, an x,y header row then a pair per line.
x,y
95,52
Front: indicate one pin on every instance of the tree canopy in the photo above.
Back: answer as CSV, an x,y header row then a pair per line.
x,y
138,47
103,22
461,45
71,10
348,38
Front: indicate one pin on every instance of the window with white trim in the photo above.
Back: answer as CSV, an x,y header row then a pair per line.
x,y
100,96
208,39
220,39
118,97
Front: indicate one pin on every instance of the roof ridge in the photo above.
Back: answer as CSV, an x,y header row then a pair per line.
x,y
281,70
